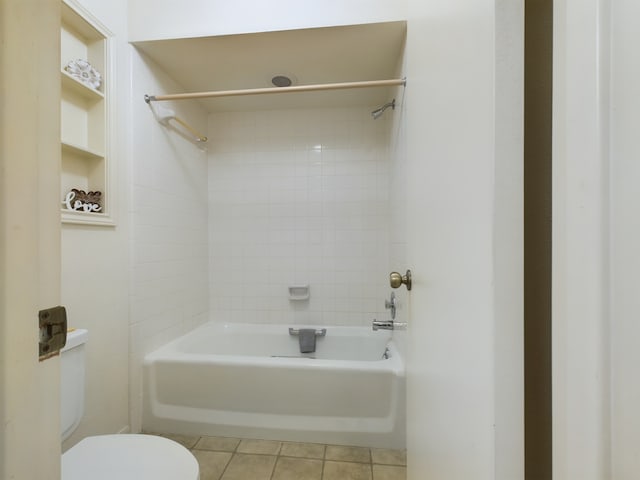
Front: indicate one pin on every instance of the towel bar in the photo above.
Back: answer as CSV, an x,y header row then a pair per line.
x,y
320,332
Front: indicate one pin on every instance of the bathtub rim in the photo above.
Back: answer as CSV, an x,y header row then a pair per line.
x,y
170,351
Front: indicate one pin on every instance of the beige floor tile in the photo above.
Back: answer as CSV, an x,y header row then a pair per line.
x,y
220,444
388,457
186,440
249,467
348,454
346,471
388,472
212,464
265,447
288,468
305,450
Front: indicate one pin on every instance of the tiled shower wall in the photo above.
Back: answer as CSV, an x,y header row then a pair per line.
x,y
169,232
169,217
298,197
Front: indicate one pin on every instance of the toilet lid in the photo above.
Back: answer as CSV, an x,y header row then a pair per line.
x,y
129,457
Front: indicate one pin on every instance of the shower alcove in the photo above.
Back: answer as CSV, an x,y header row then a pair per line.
x,y
290,189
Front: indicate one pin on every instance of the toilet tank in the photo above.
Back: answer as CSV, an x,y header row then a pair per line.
x,y
72,381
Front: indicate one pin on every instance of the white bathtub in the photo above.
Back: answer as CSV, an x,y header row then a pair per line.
x,y
251,381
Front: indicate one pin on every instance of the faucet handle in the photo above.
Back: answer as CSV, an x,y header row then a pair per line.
x,y
391,305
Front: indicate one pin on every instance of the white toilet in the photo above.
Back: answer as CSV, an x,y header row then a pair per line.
x,y
121,457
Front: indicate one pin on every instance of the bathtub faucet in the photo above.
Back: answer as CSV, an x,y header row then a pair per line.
x,y
382,324
388,325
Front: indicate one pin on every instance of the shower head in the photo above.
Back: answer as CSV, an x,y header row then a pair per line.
x,y
379,111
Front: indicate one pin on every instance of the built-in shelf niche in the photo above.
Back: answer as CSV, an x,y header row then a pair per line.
x,y
85,114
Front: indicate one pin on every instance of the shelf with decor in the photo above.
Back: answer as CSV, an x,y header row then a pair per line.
x,y
72,84
87,169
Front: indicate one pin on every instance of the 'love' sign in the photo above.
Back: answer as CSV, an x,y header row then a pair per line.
x,y
81,201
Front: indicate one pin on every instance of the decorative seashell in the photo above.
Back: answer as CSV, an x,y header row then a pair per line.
x,y
84,71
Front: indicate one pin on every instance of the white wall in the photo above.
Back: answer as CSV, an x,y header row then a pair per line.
x,y
152,19
169,293
95,265
299,197
625,238
508,240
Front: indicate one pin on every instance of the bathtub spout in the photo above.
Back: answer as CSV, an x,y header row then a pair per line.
x,y
388,325
382,324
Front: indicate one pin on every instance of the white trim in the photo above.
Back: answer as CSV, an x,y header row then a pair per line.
x,y
580,285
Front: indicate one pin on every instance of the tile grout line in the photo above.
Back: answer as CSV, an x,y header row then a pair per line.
x,y
224,470
233,454
273,469
324,455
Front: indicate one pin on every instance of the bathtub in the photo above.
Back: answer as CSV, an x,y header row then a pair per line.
x,y
251,381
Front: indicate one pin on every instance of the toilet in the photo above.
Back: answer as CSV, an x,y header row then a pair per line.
x,y
121,456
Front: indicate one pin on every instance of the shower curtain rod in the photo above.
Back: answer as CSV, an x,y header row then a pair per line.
x,y
262,91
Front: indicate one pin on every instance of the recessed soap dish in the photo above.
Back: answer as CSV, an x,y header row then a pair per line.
x,y
299,292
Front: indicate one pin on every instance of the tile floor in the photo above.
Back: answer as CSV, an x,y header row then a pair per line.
x,y
223,458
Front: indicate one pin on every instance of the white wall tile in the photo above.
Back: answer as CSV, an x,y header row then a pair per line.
x,y
298,196
170,249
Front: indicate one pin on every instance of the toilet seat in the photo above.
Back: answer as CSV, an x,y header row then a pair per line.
x,y
129,457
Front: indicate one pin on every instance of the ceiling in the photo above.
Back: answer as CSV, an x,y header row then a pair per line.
x,y
308,56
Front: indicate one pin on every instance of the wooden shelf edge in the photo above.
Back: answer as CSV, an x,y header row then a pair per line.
x,y
82,218
81,151
80,88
